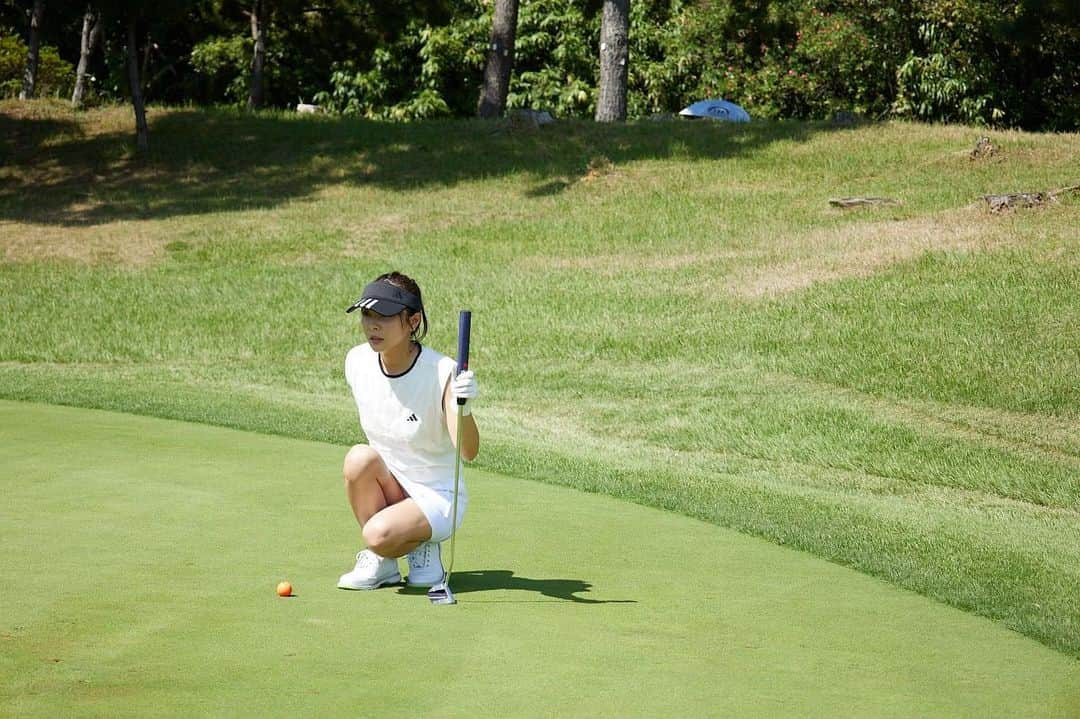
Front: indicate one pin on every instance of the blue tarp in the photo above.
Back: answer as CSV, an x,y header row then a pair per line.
x,y
717,110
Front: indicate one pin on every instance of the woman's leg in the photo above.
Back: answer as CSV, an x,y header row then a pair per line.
x,y
393,525
369,484
397,530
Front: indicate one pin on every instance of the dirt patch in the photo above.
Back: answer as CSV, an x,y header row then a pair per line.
x,y
861,249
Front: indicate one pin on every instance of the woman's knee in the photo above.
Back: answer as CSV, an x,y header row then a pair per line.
x,y
361,462
378,536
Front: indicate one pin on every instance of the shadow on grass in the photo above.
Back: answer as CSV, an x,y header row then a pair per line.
x,y
487,580
22,136
213,160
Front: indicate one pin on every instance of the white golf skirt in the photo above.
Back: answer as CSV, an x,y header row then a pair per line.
x,y
436,506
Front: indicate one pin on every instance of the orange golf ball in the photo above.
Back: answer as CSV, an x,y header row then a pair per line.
x,y
284,589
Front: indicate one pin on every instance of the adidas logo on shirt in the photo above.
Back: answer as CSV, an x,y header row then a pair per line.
x,y
412,418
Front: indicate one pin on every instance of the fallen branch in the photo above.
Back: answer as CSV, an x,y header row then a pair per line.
x,y
859,201
1012,200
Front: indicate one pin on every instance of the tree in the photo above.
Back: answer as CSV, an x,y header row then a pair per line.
x,y
614,54
258,58
142,131
125,19
91,34
30,76
500,60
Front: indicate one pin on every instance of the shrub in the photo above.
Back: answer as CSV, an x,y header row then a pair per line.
x,y
845,60
417,76
555,58
225,63
55,77
945,82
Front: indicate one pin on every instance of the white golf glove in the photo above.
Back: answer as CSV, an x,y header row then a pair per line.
x,y
464,386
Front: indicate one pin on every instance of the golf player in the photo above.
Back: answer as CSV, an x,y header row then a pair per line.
x,y
401,484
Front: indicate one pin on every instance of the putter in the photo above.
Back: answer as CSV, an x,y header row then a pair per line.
x,y
441,592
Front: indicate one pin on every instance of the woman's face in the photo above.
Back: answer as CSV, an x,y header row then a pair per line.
x,y
385,333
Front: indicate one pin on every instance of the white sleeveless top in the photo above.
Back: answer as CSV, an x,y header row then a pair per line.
x,y
403,417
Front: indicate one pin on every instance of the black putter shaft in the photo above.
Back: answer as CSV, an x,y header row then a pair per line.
x,y
464,329
441,593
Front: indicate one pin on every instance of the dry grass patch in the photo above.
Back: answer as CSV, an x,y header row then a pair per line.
x,y
615,265
362,234
864,248
851,250
129,243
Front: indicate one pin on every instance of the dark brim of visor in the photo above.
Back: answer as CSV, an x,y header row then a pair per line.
x,y
386,299
385,308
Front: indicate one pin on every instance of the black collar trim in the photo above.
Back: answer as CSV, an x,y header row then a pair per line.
x,y
382,369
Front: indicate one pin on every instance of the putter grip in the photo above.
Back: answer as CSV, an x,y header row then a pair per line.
x,y
464,327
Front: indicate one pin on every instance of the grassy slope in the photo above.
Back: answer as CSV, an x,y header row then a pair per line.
x,y
668,313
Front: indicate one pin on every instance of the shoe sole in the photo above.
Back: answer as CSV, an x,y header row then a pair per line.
x,y
435,580
421,584
395,579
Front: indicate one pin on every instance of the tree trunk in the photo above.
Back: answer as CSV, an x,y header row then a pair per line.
x,y
258,59
91,33
30,76
142,132
500,60
144,71
614,54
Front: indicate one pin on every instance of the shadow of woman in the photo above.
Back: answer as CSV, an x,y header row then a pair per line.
x,y
486,580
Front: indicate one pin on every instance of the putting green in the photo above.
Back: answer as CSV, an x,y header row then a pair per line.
x,y
140,558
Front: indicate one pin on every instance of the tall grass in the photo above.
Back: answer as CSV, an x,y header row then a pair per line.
x,y
669,313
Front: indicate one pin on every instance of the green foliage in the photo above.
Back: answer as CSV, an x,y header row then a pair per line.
x,y
779,60
791,61
972,61
845,60
55,76
1048,69
983,62
12,64
436,70
946,83
555,65
423,74
225,63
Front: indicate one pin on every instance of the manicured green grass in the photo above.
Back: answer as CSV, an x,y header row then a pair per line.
x,y
688,325
141,558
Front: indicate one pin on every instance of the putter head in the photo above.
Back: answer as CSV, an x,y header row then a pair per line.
x,y
441,593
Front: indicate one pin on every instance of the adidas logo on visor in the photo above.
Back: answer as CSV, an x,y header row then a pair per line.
x,y
377,291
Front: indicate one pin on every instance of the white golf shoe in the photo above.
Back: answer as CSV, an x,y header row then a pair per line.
x,y
425,565
371,571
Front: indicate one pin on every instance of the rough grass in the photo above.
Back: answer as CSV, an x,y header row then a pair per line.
x,y
668,313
